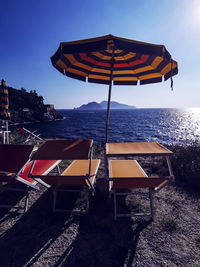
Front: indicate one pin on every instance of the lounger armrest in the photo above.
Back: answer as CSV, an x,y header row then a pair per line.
x,y
136,182
163,184
58,180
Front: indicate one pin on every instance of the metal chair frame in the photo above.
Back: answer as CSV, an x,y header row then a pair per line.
x,y
150,194
89,189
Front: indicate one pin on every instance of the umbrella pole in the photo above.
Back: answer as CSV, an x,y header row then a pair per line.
x,y
108,111
109,96
7,134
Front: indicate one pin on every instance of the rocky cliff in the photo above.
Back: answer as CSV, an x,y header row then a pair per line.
x,y
27,106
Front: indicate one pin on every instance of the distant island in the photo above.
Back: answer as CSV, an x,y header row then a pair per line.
x,y
103,105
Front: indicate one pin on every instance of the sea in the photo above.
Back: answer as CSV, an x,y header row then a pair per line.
x,y
163,125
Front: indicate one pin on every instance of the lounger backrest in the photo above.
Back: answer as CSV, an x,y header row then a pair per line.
x,y
126,174
64,149
13,157
139,148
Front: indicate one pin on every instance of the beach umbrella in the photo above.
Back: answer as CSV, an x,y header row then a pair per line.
x,y
4,110
114,60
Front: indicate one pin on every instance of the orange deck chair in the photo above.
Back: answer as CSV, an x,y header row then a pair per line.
x,y
80,173
15,167
125,175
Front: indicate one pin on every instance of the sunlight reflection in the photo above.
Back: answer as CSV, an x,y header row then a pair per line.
x,y
193,120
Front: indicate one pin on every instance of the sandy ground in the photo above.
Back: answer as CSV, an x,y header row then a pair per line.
x,y
42,238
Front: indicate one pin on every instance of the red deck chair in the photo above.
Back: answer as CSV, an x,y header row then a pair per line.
x,y
15,167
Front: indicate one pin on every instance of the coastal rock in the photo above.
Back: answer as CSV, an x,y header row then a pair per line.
x,y
90,105
29,107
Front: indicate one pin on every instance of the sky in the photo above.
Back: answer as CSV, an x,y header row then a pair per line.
x,y
31,31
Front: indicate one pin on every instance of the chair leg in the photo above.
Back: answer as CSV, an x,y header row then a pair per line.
x,y
115,204
26,201
87,202
151,203
58,169
55,204
170,169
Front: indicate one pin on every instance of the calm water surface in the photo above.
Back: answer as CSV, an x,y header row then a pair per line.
x,y
169,126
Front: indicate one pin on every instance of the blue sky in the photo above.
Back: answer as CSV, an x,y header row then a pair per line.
x,y
31,31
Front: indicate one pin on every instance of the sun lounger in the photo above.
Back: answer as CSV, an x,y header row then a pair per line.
x,y
15,167
127,175
12,160
31,137
79,174
73,179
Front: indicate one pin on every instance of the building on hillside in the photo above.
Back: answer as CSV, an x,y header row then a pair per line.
x,y
49,107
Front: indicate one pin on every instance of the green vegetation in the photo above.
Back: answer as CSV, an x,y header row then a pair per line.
x,y
19,99
186,165
169,224
27,106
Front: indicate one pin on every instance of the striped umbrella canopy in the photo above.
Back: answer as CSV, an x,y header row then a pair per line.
x,y
114,60
4,102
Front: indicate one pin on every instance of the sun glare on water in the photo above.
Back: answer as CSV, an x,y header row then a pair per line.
x,y
194,119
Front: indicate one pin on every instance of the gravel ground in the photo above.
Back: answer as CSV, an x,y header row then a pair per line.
x,y
42,238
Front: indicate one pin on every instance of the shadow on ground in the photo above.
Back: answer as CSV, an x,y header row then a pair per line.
x,y
101,241
41,238
12,198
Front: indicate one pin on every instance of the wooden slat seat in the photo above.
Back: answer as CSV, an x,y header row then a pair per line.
x,y
75,174
129,174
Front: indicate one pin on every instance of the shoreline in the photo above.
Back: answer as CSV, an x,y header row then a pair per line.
x,y
32,122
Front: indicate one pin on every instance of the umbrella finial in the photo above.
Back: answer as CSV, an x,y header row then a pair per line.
x,y
110,45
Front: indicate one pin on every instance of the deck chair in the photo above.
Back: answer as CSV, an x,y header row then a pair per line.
x,y
14,169
125,175
12,160
30,137
79,174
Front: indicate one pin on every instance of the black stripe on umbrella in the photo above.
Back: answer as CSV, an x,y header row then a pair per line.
x,y
101,43
126,82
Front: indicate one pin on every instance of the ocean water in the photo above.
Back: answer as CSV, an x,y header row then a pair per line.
x,y
167,126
